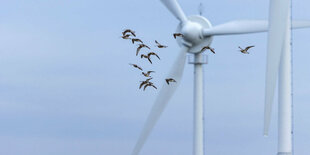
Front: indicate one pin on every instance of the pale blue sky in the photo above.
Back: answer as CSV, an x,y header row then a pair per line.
x,y
66,86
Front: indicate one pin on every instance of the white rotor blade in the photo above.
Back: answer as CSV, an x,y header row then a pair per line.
x,y
278,25
300,24
174,7
246,26
162,99
237,27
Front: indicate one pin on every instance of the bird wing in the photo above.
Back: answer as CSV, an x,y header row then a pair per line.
x,y
138,49
147,46
204,48
152,53
156,42
149,59
145,86
154,86
212,50
139,68
157,56
248,47
125,31
167,80
138,40
175,36
133,33
142,83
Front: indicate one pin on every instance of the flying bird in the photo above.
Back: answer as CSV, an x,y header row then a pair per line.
x,y
152,53
145,82
136,40
129,31
147,74
141,46
136,66
175,35
209,48
170,80
148,56
160,45
148,85
245,51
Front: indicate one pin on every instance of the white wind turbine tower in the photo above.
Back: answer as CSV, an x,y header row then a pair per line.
x,y
198,32
279,68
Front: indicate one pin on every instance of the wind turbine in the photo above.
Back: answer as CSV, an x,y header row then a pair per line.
x,y
197,32
279,68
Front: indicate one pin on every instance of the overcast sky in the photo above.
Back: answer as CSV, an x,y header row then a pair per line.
x,y
67,89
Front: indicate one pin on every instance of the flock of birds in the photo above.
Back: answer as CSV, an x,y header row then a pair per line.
x,y
129,34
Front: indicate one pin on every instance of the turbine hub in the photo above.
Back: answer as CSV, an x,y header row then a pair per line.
x,y
192,33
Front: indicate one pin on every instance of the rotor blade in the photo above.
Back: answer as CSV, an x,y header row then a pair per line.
x,y
162,99
300,24
246,26
237,27
279,15
174,7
